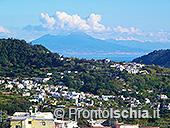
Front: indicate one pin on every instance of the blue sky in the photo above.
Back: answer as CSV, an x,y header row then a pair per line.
x,y
143,20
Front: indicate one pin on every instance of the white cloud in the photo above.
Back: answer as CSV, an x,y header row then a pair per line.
x,y
4,30
130,30
93,23
70,22
161,36
63,23
164,40
47,21
128,38
119,29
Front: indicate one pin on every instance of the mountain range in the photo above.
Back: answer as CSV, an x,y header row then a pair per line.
x,y
82,45
149,46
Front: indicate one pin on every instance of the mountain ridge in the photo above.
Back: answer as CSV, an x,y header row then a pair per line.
x,y
144,45
157,57
83,44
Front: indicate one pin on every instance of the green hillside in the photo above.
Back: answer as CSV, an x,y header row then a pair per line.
x,y
160,57
17,57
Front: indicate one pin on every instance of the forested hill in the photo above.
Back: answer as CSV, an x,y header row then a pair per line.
x,y
160,57
21,60
17,54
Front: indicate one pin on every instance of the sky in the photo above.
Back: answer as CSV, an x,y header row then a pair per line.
x,y
141,20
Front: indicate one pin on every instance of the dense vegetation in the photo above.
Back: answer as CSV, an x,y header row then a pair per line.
x,y
17,56
160,57
11,104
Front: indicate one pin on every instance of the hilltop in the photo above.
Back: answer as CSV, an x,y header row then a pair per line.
x,y
157,57
17,56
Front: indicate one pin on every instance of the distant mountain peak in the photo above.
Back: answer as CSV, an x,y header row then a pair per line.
x,y
79,35
82,45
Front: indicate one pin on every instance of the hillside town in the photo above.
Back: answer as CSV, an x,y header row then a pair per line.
x,y
45,96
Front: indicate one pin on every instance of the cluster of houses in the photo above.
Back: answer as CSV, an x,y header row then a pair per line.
x,y
132,68
45,119
42,92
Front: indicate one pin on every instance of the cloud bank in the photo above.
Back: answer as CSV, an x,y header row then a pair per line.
x,y
61,22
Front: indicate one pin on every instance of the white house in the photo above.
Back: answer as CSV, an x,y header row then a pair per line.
x,y
120,68
61,59
20,86
147,101
114,65
39,97
106,60
2,81
26,94
49,74
33,100
162,97
10,86
75,72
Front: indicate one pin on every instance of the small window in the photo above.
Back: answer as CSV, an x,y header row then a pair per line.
x,y
29,122
43,123
17,126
